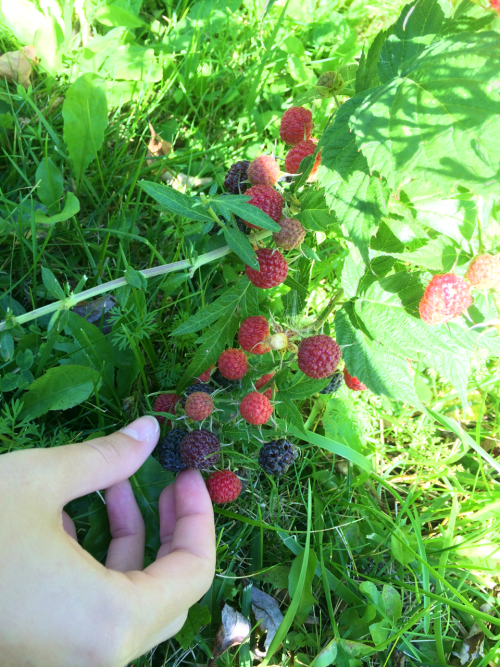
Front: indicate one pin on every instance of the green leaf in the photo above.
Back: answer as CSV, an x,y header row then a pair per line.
x,y
352,271
93,346
51,284
326,656
401,539
97,540
416,28
314,212
114,15
135,279
304,388
6,346
50,182
237,204
60,388
440,120
85,114
239,244
71,208
341,423
348,651
392,602
221,308
147,483
307,600
277,576
24,359
175,202
290,413
197,617
132,62
379,631
366,74
13,381
437,255
369,589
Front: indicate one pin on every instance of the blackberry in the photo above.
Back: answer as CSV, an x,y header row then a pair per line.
x,y
200,449
236,178
334,384
168,450
277,456
199,386
219,379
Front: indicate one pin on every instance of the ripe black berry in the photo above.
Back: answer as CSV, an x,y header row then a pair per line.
x,y
168,450
277,456
334,384
200,449
220,380
236,178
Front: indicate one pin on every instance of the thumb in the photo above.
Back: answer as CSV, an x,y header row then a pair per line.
x,y
76,470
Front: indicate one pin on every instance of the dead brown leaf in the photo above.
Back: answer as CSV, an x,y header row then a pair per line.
x,y
15,66
473,646
157,146
234,630
266,610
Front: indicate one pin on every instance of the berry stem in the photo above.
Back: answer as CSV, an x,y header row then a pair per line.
x,y
74,299
328,310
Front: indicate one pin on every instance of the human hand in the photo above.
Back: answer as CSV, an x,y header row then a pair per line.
x,y
59,607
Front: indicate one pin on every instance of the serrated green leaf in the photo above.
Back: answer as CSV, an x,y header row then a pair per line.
x,y
197,617
249,213
51,284
454,218
290,413
85,114
438,255
239,244
352,271
71,207
222,307
60,388
314,213
175,202
50,182
304,388
440,120
366,74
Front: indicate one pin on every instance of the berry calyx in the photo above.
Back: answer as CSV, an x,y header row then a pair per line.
x,y
264,380
168,450
264,170
446,296
297,153
353,382
199,406
273,269
484,271
200,449
252,333
165,403
233,364
236,177
296,125
334,384
277,456
256,408
318,356
291,235
267,199
223,486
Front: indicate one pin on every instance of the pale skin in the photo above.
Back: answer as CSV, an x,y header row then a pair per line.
x,y
59,607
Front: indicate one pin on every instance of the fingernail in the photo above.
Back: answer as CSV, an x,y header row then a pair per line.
x,y
145,428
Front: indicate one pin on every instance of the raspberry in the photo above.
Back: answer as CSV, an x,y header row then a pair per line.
x,y
256,408
168,450
200,449
445,297
267,199
262,381
199,406
353,382
205,376
495,4
195,387
334,384
296,154
277,456
253,331
222,381
278,341
165,403
296,125
291,235
484,270
233,364
318,356
273,269
223,486
263,170
236,177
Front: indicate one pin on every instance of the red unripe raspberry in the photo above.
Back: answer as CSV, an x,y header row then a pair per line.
x,y
165,403
353,382
223,486
205,376
291,235
199,406
267,199
445,297
319,356
296,154
495,4
262,381
484,270
256,408
296,125
200,449
233,364
264,170
273,269
252,333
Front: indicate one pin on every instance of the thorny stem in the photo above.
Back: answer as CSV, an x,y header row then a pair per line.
x,y
328,310
91,293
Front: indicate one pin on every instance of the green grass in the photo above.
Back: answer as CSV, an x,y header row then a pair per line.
x,y
227,77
